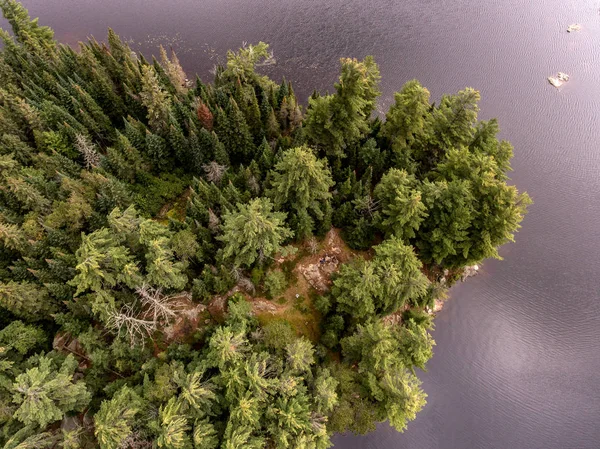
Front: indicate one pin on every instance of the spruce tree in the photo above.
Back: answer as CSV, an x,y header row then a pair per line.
x,y
300,184
334,122
114,420
253,232
401,206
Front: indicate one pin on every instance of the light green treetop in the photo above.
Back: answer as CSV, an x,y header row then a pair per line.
x,y
253,232
45,393
300,184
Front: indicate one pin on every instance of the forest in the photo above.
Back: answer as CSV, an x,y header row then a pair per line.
x,y
194,265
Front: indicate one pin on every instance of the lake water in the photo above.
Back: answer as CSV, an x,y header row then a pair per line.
x,y
517,360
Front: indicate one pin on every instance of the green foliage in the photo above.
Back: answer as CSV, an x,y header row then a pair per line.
x,y
300,184
385,359
275,283
278,334
380,286
401,206
96,142
46,392
334,122
114,420
253,233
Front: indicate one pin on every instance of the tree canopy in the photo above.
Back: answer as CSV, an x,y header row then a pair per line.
x,y
195,265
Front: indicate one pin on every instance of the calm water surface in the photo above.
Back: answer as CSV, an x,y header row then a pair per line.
x,y
517,359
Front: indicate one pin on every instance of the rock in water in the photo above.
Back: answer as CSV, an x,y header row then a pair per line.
x,y
558,80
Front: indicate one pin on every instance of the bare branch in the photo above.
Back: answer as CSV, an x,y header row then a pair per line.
x,y
214,171
87,150
135,329
159,306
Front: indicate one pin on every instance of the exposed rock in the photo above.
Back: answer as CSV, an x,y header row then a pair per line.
x,y
314,276
318,274
470,271
261,305
558,80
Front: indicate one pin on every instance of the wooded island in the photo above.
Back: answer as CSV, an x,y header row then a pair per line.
x,y
186,265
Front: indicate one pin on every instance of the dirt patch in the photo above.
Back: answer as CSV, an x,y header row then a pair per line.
x,y
329,254
189,317
217,307
311,270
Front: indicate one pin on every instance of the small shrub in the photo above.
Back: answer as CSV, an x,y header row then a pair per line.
x,y
275,283
278,334
257,275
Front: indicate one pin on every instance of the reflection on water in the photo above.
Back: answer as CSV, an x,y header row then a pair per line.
x,y
518,351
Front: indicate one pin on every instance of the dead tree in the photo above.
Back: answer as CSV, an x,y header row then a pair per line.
x,y
91,158
214,171
156,305
125,322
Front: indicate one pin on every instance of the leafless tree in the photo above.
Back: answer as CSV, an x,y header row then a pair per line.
x,y
214,171
246,285
367,205
87,150
125,322
213,221
160,307
253,185
313,245
236,273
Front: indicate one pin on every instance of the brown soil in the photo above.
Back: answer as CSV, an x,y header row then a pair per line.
x,y
189,317
311,274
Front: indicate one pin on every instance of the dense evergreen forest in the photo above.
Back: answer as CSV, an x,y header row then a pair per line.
x,y
192,265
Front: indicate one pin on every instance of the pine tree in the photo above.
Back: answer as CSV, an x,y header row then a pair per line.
x,y
407,122
27,300
174,71
266,156
325,394
205,436
300,355
399,269
401,206
156,100
385,371
242,148
445,231
334,122
197,394
26,31
102,263
205,116
173,427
